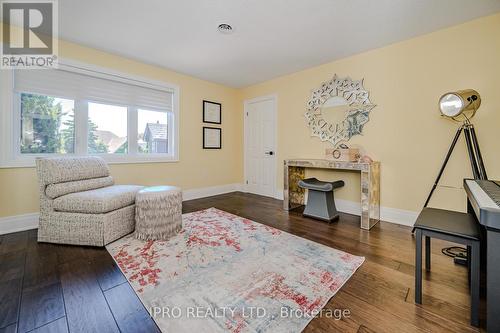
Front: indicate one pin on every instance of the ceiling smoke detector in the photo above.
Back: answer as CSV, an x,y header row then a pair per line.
x,y
225,28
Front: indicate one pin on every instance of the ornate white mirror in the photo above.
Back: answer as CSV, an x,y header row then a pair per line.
x,y
333,109
338,110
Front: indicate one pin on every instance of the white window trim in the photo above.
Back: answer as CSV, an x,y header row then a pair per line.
x,y
10,157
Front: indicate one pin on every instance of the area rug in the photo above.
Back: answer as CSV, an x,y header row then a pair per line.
x,y
225,273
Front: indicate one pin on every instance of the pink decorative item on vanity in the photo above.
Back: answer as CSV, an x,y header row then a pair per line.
x,y
225,273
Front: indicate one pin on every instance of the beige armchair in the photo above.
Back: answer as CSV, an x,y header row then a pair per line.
x,y
79,203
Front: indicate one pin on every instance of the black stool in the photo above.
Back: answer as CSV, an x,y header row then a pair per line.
x,y
320,204
454,227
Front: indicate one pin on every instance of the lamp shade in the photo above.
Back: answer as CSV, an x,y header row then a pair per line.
x,y
460,104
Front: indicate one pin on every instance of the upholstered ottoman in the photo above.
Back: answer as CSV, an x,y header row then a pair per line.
x,y
158,212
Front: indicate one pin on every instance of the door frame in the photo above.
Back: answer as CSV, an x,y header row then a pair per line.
x,y
274,98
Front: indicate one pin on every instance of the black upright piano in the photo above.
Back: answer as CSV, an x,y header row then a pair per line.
x,y
483,200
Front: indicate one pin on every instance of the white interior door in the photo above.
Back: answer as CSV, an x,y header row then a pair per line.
x,y
260,146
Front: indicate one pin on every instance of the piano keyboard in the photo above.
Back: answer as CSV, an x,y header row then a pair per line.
x,y
479,198
492,188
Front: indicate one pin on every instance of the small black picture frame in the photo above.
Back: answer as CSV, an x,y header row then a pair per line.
x,y
209,134
212,112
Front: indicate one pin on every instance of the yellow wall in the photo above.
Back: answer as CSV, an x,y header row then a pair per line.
x,y
197,168
405,131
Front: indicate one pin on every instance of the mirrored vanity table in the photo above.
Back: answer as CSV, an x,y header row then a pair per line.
x,y
294,196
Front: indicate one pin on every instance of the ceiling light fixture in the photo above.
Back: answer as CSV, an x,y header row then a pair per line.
x,y
225,28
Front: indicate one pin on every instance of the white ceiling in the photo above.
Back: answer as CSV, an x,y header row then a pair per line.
x,y
271,37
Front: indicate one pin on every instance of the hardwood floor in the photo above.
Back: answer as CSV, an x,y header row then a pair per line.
x,y
57,288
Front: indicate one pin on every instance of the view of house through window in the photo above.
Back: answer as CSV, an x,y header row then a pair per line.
x,y
107,129
153,131
47,125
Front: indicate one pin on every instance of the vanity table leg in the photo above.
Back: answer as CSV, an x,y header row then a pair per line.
x,y
286,189
375,193
294,196
370,196
365,200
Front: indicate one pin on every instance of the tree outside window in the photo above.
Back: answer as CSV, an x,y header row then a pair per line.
x,y
48,126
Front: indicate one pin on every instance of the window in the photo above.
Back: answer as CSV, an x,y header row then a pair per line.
x,y
107,129
81,110
47,125
153,132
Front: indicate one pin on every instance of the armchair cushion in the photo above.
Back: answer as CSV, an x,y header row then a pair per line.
x,y
57,190
98,201
65,169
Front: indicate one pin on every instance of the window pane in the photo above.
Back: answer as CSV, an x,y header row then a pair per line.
x,y
153,131
47,125
107,129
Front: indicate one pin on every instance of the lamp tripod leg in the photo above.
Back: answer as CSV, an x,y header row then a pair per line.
x,y
445,162
446,159
475,157
470,150
479,157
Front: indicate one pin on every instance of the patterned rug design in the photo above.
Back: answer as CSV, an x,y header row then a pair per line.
x,y
225,273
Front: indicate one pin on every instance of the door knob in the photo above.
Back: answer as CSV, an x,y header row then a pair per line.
x,y
269,153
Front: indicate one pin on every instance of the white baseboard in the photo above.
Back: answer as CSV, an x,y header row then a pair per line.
x,y
23,222
209,191
349,207
398,216
17,223
279,195
387,214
